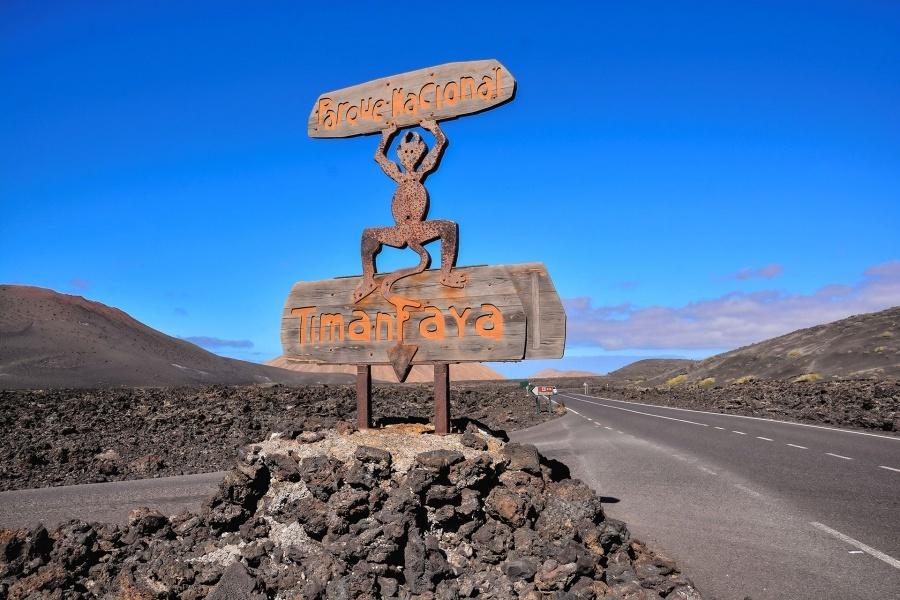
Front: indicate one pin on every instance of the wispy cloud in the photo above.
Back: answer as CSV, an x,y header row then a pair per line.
x,y
733,320
214,343
766,272
179,312
80,284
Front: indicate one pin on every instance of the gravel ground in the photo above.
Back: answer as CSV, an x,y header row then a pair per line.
x,y
65,437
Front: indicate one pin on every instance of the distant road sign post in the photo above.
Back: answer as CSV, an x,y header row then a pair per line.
x,y
415,315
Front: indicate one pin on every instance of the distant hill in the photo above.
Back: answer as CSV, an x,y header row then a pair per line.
x,y
556,373
53,340
862,346
650,369
385,374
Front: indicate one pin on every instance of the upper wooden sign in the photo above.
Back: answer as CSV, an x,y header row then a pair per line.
x,y
436,93
506,312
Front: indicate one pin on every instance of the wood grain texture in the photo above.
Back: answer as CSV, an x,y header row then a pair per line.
x,y
509,288
546,316
442,92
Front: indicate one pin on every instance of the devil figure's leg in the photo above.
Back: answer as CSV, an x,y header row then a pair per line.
x,y
370,246
448,233
390,280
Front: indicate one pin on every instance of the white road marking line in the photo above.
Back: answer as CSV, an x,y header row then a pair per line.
x,y
722,428
759,437
838,456
854,552
705,470
620,432
706,412
574,411
748,490
738,432
610,428
796,446
888,468
643,413
867,549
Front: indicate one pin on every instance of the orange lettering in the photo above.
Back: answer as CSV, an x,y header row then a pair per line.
x,y
342,111
451,99
388,322
499,86
365,108
411,105
302,313
326,114
494,318
376,109
460,320
486,89
352,120
333,326
396,103
360,330
424,103
467,83
435,321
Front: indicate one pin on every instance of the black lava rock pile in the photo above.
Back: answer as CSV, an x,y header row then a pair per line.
x,y
390,513
65,437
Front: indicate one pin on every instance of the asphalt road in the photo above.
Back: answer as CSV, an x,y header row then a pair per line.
x,y
748,507
106,502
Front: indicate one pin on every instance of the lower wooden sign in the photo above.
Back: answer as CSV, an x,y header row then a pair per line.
x,y
504,313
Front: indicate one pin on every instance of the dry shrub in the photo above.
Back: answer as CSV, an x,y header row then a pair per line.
x,y
809,377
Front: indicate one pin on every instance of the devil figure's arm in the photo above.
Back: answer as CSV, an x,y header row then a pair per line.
x,y
389,167
430,161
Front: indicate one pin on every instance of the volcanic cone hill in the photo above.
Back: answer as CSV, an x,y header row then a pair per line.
x,y
556,373
385,374
53,340
863,346
650,369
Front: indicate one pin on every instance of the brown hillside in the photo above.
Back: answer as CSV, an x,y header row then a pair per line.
x,y
385,374
863,346
650,369
53,340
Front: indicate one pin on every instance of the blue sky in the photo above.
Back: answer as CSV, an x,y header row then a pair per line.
x,y
696,176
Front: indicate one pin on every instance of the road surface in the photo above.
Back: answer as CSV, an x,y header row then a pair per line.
x,y
748,507
106,502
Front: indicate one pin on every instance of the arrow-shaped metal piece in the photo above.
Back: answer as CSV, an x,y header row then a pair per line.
x,y
401,357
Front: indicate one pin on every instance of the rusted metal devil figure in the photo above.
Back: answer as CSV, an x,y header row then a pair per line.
x,y
410,207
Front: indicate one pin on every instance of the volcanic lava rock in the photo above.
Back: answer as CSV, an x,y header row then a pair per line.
x,y
384,513
64,437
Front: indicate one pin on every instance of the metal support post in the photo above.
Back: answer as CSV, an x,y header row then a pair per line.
x,y
363,396
442,398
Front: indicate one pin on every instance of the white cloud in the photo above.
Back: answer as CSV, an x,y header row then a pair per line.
x,y
214,343
766,272
733,320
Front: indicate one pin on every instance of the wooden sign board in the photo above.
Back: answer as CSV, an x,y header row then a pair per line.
x,y
436,93
504,313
